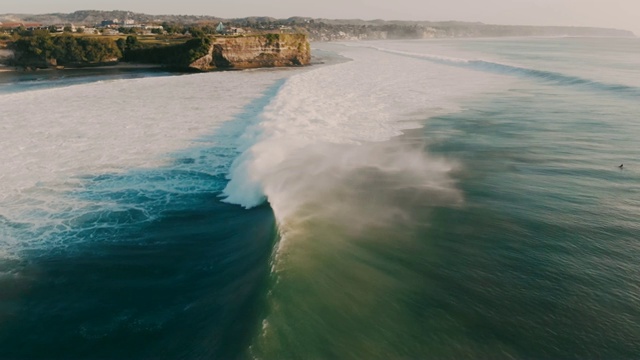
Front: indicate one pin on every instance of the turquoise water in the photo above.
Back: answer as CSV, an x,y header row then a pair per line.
x,y
501,227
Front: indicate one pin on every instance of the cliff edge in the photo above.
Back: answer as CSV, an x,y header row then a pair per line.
x,y
203,53
254,51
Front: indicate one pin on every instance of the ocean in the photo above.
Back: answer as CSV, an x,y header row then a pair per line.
x,y
448,199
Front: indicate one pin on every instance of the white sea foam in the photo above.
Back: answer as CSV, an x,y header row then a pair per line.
x,y
323,122
53,138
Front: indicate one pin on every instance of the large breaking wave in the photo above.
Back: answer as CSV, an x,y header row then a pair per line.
x,y
334,156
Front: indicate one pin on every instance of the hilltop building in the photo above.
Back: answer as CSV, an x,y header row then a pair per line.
x,y
221,29
110,23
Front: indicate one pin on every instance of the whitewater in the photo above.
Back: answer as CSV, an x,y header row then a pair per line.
x,y
446,198
129,125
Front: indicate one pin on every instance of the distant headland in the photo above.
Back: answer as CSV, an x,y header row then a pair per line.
x,y
317,29
41,50
202,43
31,45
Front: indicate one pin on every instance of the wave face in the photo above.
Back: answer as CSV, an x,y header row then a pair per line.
x,y
383,254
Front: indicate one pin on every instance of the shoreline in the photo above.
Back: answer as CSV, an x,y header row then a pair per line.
x,y
118,66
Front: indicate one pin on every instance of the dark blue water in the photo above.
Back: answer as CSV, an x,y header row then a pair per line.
x,y
187,285
160,267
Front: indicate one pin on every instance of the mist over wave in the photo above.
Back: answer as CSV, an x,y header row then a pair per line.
x,y
322,124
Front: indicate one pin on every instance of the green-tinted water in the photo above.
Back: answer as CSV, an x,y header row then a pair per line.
x,y
539,259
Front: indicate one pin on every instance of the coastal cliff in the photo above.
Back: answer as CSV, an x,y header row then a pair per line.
x,y
268,50
202,53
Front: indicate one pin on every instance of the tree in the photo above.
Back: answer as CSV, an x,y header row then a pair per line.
x,y
197,32
20,31
41,49
121,44
172,28
132,42
127,30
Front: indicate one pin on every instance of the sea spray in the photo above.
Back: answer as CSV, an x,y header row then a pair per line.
x,y
371,99
332,203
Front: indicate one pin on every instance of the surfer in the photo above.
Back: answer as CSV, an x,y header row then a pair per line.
x,y
621,166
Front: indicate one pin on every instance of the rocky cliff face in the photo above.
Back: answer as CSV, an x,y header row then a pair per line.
x,y
253,51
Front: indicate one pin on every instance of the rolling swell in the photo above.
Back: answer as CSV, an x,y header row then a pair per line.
x,y
554,77
539,75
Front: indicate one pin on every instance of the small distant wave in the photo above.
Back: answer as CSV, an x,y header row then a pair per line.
x,y
553,77
513,70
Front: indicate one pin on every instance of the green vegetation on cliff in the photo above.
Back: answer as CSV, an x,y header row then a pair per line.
x,y
179,56
40,49
228,52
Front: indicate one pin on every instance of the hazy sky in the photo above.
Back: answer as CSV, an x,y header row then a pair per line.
x,y
623,14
